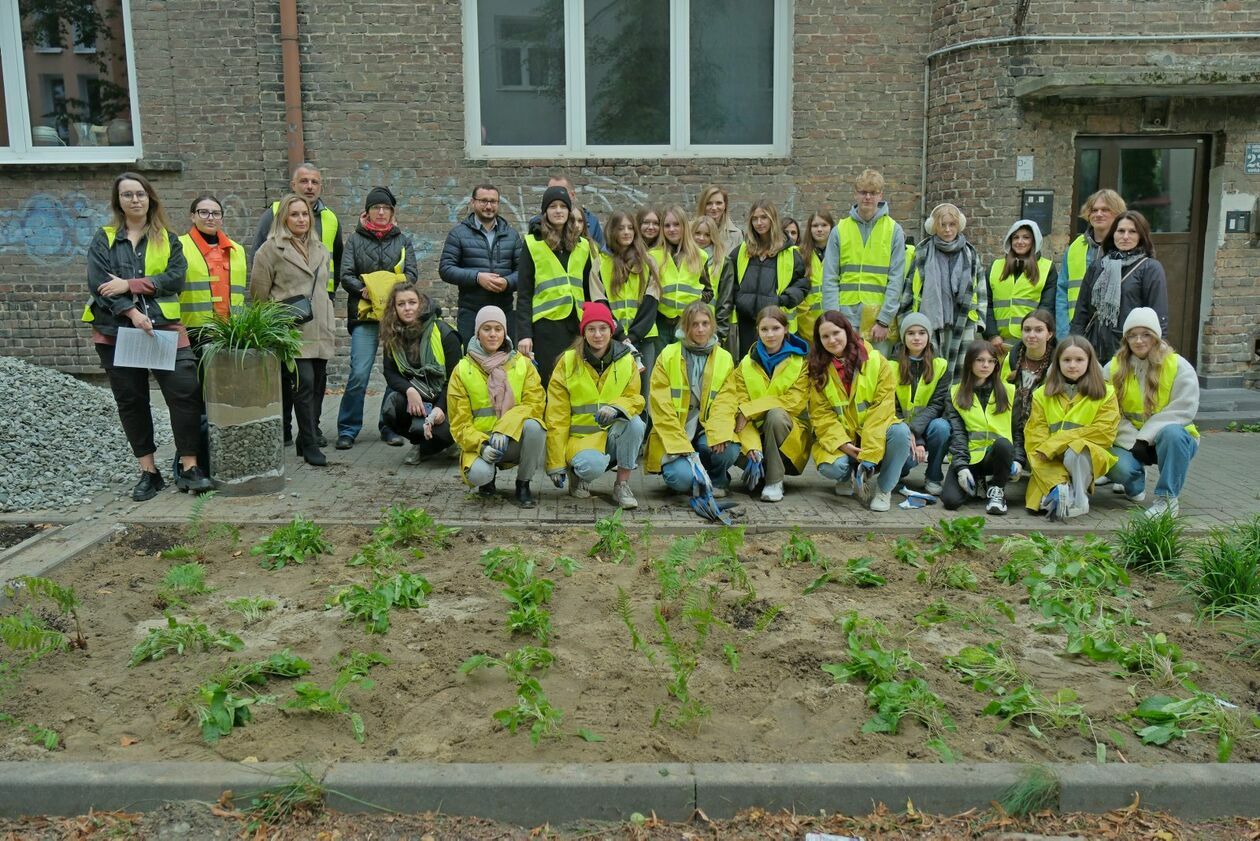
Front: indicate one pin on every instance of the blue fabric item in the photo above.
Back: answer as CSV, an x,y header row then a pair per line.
x,y
1174,449
754,473
793,345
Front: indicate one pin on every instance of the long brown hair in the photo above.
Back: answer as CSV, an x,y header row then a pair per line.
x,y
819,359
564,238
688,255
640,215
968,384
1143,231
807,236
903,362
155,223
1091,384
630,259
1123,369
393,339
1030,268
774,241
708,193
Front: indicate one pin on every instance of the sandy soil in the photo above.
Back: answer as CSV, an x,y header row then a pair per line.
x,y
778,707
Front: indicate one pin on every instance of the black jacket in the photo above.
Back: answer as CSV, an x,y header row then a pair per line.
x,y
936,404
959,451
452,349
466,254
758,288
126,262
364,253
525,289
1146,286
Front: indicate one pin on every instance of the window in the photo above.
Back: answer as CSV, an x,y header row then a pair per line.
x,y
68,77
626,78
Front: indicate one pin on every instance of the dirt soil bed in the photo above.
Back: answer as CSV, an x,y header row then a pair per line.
x,y
779,706
11,534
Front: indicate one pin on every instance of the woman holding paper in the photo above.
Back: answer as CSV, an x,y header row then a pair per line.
x,y
136,271
377,256
292,265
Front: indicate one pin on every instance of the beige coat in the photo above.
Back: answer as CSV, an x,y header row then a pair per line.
x,y
279,272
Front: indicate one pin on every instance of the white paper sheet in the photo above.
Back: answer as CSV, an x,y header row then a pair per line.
x,y
137,349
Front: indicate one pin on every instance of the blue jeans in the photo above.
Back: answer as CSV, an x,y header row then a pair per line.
x,y
677,473
896,451
936,442
1174,448
363,343
625,437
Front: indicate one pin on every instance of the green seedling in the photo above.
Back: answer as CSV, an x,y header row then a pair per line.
x,y
1238,426
986,668
856,572
869,660
180,582
402,526
224,701
292,544
45,737
1163,719
63,598
301,795
198,532
948,576
614,544
566,565
26,632
799,549
532,711
913,698
372,604
906,552
1152,656
1151,544
382,557
1224,576
525,591
353,672
1037,711
956,535
178,552
252,608
180,638
1071,583
1036,791
987,618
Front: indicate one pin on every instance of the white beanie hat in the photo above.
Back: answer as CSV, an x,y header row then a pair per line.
x,y
490,313
1143,317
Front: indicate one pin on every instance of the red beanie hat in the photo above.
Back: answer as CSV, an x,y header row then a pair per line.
x,y
595,311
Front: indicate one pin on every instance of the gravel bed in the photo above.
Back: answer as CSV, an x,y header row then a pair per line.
x,y
61,442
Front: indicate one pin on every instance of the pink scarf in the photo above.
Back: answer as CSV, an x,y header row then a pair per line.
x,y
493,365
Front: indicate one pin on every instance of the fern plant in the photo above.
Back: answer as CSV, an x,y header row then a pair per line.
x,y
63,598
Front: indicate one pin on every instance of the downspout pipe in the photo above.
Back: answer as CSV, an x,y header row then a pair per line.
x,y
1006,40
292,71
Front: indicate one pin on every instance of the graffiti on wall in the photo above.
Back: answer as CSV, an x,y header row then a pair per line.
x,y
52,230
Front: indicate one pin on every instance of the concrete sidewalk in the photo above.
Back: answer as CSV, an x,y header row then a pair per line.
x,y
355,486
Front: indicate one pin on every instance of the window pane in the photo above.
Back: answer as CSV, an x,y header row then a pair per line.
x,y
1159,183
732,71
1088,164
521,61
76,97
627,72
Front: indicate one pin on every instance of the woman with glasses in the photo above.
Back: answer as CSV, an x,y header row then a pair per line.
x,y
215,282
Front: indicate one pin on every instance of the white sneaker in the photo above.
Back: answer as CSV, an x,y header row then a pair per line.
x,y
772,492
1102,482
1118,488
881,501
933,488
577,488
413,458
997,500
719,493
623,496
1163,504
844,488
1073,510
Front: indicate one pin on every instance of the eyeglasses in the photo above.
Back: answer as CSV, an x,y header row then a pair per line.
x,y
136,196
210,214
486,201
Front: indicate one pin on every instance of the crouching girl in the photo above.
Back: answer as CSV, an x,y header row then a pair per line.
x,y
982,456
922,385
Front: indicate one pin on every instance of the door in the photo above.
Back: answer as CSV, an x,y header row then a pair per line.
x,y
1164,178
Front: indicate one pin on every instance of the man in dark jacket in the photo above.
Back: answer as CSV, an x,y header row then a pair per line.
x,y
480,258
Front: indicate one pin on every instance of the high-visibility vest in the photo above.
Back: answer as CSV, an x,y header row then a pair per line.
x,y
909,260
1061,414
328,227
435,344
625,305
985,424
910,406
1015,297
862,394
759,384
477,385
679,286
811,307
586,395
783,266
157,254
1133,407
196,302
863,269
672,360
557,289
1077,265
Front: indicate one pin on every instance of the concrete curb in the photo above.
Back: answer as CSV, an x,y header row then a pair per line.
x,y
532,794
44,553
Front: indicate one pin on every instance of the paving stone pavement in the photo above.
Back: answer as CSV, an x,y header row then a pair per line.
x,y
1223,486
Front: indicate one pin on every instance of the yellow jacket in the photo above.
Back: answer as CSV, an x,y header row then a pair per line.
x,y
621,377
793,399
1045,448
530,404
668,435
865,425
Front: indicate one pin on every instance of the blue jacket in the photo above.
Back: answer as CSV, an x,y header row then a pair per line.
x,y
466,253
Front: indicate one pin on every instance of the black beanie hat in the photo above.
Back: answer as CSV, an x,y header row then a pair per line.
x,y
379,195
556,193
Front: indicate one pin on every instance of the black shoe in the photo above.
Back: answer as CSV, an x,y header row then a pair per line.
x,y
392,438
314,456
487,490
288,437
148,486
193,479
524,498
344,442
320,440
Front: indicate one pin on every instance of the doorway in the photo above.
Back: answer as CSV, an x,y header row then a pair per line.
x,y
1164,178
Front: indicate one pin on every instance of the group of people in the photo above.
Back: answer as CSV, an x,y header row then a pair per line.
x,y
691,343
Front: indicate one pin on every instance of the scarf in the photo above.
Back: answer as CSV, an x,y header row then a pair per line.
x,y
427,375
947,286
792,346
378,231
300,245
848,365
494,366
1107,287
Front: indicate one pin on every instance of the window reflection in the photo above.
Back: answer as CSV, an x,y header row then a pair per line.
x,y
521,63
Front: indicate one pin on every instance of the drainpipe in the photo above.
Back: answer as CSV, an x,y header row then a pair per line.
x,y
292,69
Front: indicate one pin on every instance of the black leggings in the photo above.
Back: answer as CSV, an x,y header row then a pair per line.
x,y
397,418
288,388
180,390
552,338
308,393
994,469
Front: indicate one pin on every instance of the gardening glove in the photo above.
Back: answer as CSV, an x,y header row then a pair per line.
x,y
558,478
605,415
1014,469
490,455
967,482
500,442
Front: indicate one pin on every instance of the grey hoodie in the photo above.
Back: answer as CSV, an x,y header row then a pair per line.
x,y
896,268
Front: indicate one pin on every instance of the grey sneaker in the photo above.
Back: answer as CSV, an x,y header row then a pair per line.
x,y
934,488
622,496
881,501
1162,504
413,457
577,488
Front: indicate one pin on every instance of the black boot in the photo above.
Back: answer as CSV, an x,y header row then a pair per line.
x,y
148,486
487,490
314,456
524,498
193,479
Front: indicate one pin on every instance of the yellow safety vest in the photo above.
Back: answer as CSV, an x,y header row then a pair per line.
x,y
852,410
328,227
984,423
679,286
476,383
1132,405
435,344
909,260
863,269
759,385
1077,265
1015,297
672,360
783,265
1061,415
811,307
586,395
157,254
196,302
626,305
923,392
557,289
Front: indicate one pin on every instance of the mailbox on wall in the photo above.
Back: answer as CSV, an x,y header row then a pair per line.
x,y
1037,205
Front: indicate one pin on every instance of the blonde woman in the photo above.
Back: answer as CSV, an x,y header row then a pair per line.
x,y
1098,211
684,272
716,204
817,231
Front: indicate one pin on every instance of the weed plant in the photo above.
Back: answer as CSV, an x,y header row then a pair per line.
x,y
1162,718
302,794
799,549
1036,791
63,598
353,671
372,603
855,572
527,593
402,526
224,701
1151,544
252,608
613,545
180,582
987,618
27,633
292,544
1224,576
532,712
180,638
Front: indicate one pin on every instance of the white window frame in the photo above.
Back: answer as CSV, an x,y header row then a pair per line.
x,y
680,94
18,118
